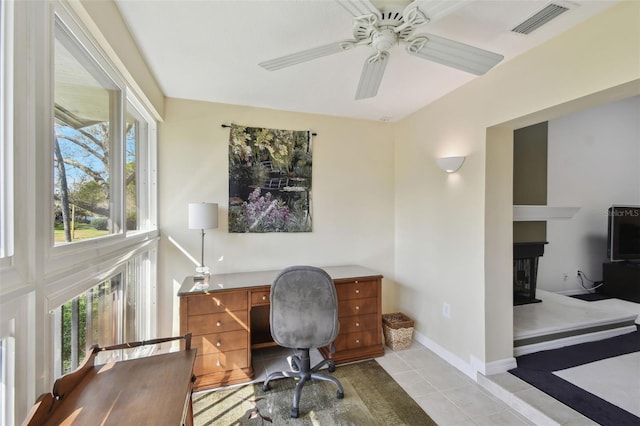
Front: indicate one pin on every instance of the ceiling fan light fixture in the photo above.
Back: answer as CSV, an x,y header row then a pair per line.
x,y
384,39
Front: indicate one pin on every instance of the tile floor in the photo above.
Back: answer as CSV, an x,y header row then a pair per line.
x,y
453,399
450,397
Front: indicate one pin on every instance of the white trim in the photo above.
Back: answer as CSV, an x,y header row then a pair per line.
x,y
85,275
17,321
443,353
473,367
572,340
493,367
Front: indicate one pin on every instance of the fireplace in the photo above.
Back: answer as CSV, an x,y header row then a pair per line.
x,y
525,271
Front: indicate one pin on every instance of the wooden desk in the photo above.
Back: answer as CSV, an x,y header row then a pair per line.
x,y
153,390
230,317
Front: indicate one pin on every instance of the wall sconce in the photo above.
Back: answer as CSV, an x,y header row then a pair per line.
x,y
203,216
450,164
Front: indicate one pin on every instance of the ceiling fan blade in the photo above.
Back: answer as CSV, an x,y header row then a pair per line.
x,y
436,9
359,7
371,76
453,54
304,56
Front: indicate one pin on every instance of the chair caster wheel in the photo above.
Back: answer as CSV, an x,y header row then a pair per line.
x,y
331,368
294,413
266,387
340,395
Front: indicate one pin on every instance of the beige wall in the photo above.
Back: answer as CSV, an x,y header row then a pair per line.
x,y
352,196
453,242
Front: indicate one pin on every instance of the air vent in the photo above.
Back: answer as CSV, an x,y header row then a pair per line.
x,y
539,19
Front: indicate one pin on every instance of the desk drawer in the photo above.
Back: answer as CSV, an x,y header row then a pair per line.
x,y
357,290
347,341
260,297
220,342
217,302
218,323
358,323
357,306
222,361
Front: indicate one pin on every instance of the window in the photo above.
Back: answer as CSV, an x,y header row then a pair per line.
x,y
137,176
86,145
7,385
6,169
114,311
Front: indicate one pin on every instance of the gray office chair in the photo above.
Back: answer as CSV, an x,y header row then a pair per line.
x,y
304,315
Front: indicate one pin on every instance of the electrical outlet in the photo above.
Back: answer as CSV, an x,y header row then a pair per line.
x,y
446,310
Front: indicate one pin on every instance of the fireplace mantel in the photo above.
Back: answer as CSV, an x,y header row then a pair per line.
x,y
535,213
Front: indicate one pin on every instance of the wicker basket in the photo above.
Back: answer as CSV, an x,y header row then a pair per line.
x,y
398,330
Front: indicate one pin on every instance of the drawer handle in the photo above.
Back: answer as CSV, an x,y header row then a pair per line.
x,y
356,281
218,324
357,340
357,291
218,344
357,324
357,308
264,297
217,303
218,363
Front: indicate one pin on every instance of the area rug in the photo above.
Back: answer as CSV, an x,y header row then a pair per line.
x,y
538,370
371,397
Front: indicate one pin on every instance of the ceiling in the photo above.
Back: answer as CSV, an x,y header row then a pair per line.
x,y
209,50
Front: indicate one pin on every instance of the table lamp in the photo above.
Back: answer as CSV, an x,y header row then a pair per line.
x,y
203,216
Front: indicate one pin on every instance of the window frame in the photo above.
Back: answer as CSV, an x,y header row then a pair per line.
x,y
145,169
6,136
65,256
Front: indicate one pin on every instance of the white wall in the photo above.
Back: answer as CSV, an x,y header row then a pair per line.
x,y
352,197
593,162
453,247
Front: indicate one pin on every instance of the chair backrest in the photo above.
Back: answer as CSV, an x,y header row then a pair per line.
x,y
304,308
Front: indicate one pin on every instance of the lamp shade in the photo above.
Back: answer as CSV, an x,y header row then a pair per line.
x,y
450,164
203,215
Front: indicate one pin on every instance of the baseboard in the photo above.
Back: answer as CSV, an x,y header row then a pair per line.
x,y
493,367
470,369
572,340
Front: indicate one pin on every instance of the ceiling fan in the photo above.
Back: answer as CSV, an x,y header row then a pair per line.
x,y
383,30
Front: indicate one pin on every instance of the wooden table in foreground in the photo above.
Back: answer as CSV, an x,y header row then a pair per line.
x,y
154,390
230,317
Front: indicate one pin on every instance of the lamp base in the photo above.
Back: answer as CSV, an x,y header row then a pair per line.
x,y
202,277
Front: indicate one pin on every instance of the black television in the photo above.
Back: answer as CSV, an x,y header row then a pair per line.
x,y
623,233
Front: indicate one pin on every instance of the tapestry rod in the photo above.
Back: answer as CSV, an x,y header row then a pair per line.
x,y
227,126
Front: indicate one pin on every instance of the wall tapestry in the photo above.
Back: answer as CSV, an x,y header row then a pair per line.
x,y
269,180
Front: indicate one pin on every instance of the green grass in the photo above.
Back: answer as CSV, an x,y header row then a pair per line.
x,y
83,231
